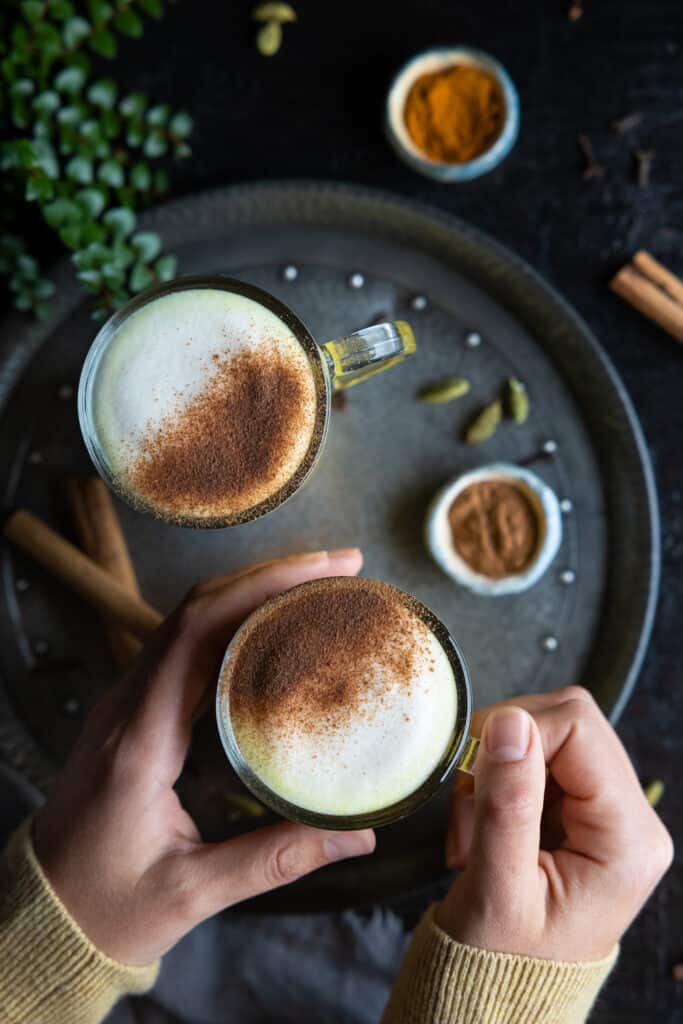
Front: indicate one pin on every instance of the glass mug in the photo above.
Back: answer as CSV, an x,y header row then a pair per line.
x,y
459,754
335,364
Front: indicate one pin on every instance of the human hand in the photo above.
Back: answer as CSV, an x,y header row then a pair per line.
x,y
124,857
564,881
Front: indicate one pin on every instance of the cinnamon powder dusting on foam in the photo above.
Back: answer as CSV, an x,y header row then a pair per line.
x,y
224,449
322,656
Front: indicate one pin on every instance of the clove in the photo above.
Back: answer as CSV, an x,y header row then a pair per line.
x,y
644,158
593,169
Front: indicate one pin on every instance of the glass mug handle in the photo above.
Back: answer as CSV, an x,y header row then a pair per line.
x,y
468,755
359,355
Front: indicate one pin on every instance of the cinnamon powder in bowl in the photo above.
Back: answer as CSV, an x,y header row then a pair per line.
x,y
495,530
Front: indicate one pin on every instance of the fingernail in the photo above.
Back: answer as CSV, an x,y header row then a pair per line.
x,y
348,844
344,553
508,733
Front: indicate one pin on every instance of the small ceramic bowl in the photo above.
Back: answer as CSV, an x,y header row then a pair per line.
x,y
435,60
544,501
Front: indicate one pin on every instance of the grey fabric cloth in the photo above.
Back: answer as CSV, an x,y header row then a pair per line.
x,y
252,969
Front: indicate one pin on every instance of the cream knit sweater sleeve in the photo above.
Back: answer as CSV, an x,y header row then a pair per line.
x,y
50,972
442,981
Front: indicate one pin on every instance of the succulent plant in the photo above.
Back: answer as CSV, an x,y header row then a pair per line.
x,y
86,154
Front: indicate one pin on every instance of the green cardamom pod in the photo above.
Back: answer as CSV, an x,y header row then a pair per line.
x,y
269,39
485,424
518,400
444,390
654,792
274,12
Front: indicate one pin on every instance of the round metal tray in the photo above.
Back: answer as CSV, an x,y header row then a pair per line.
x,y
386,456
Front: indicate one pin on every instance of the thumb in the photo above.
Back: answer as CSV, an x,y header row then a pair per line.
x,y
508,803
258,861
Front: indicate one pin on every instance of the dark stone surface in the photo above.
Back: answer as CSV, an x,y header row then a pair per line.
x,y
315,111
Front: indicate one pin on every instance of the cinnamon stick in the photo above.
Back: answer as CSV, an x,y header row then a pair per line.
x,y
659,275
100,535
652,290
85,577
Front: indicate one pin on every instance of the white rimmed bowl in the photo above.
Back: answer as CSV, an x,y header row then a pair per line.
x,y
435,60
545,504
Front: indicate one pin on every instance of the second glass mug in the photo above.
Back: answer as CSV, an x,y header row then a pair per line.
x,y
335,364
460,753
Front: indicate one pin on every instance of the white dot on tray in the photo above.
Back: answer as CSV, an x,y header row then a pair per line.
x,y
290,272
418,303
473,339
356,280
567,576
549,643
566,505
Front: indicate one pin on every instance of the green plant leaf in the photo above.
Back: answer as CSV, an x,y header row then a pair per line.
x,y
33,10
75,31
155,145
103,93
40,188
90,131
60,212
44,288
46,158
180,125
147,244
165,267
90,279
100,11
20,113
121,220
113,276
141,177
158,115
79,169
92,200
61,9
110,173
46,102
71,235
135,135
91,256
123,255
141,277
22,87
133,105
153,8
69,115
93,232
129,23
104,43
111,123
70,80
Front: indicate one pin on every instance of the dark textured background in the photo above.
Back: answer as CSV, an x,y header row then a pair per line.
x,y
315,111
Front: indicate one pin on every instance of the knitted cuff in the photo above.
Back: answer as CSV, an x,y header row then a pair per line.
x,y
50,972
442,981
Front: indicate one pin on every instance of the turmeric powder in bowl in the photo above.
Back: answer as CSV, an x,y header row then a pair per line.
x,y
455,114
452,113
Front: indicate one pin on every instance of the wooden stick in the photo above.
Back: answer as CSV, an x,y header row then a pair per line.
x,y
96,585
659,275
649,299
100,535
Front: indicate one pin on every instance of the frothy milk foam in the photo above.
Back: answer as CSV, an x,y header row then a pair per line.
x,y
364,755
166,355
